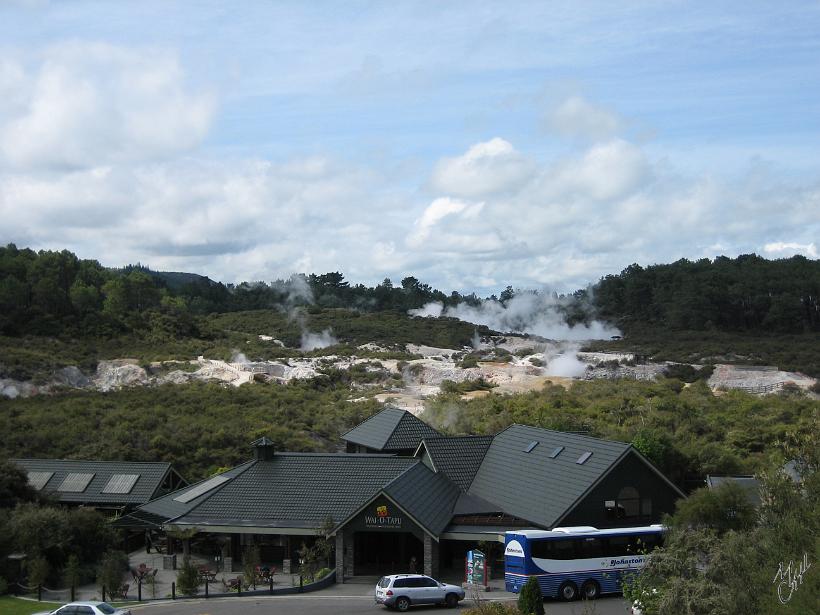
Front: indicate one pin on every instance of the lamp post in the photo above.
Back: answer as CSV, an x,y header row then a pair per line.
x,y
301,563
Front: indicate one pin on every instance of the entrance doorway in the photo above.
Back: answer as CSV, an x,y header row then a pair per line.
x,y
381,553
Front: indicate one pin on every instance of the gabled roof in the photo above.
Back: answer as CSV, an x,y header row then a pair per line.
x,y
428,497
391,429
169,507
534,485
458,457
298,490
96,482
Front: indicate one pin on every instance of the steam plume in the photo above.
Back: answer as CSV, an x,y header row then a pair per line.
x,y
528,312
314,341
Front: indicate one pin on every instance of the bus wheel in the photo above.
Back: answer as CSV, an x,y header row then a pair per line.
x,y
568,591
590,590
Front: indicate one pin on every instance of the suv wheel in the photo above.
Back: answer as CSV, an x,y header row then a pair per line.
x,y
402,604
451,601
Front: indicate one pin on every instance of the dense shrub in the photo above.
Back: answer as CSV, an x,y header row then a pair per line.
x,y
687,432
687,373
721,557
530,600
112,568
188,578
485,607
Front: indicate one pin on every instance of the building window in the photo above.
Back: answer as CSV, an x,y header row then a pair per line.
x,y
628,505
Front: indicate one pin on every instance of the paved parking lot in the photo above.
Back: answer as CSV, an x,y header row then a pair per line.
x,y
351,599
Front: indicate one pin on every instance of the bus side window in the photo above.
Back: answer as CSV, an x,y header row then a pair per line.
x,y
618,545
563,549
540,549
589,548
648,542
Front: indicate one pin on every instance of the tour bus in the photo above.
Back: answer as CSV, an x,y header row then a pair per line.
x,y
577,561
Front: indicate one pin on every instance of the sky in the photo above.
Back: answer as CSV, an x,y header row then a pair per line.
x,y
473,145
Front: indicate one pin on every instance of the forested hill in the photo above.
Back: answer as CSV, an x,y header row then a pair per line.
x,y
58,294
748,293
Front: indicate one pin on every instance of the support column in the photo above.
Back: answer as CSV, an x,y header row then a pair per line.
x,y
340,555
430,556
348,554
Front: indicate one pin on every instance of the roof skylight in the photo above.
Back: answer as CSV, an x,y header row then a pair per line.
x,y
121,483
211,483
556,452
582,459
75,482
38,480
531,446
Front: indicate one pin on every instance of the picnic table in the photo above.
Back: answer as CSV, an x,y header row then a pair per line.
x,y
206,574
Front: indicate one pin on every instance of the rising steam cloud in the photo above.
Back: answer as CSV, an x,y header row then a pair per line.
x,y
537,314
563,361
314,341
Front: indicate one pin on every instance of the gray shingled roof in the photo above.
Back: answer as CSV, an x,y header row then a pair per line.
x,y
428,497
298,490
391,429
458,458
151,475
534,486
167,507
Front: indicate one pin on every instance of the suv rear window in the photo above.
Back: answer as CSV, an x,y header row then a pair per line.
x,y
384,582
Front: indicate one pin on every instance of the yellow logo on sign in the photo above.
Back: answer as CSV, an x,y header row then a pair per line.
x,y
381,511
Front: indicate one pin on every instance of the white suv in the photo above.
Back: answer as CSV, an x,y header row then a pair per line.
x,y
401,590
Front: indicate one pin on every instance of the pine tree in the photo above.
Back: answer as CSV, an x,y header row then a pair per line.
x,y
188,578
530,601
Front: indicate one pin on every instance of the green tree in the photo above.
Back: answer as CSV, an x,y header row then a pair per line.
x,y
707,567
14,487
530,600
37,569
84,297
72,572
726,507
188,578
251,561
113,566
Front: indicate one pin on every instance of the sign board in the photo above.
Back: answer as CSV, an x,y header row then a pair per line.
x,y
476,568
382,517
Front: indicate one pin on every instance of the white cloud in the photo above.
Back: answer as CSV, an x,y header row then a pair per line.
x,y
779,249
436,212
486,168
606,171
581,216
90,104
577,117
100,152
